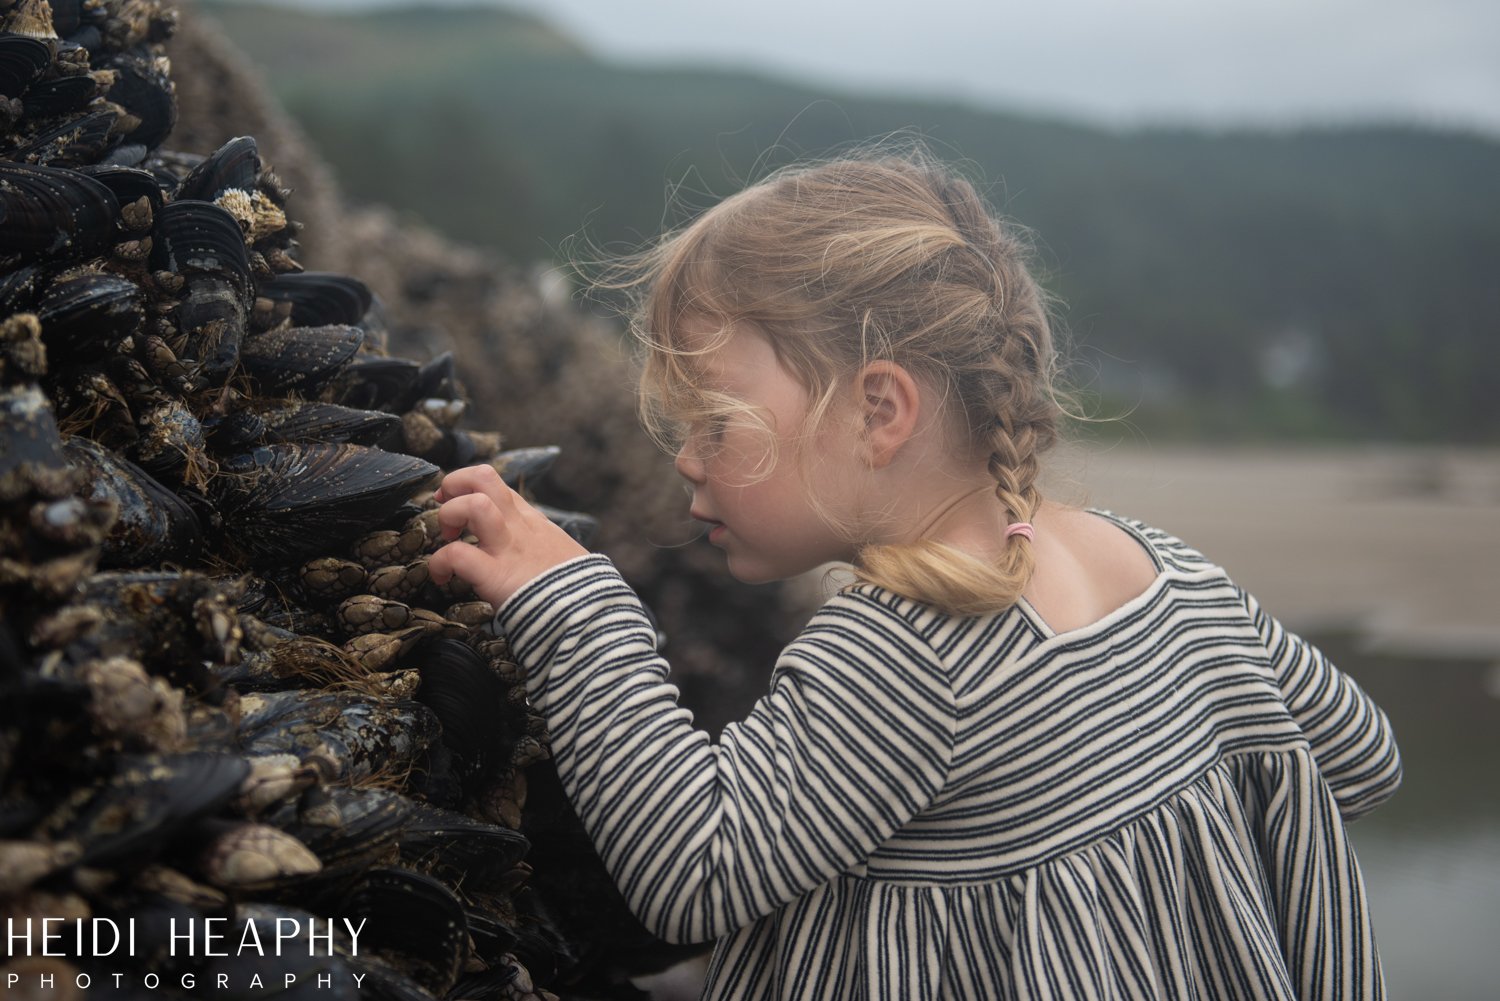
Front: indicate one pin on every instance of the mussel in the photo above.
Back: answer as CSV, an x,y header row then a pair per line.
x,y
204,244
317,298
353,736
22,60
147,800
51,212
153,523
88,312
285,503
480,725
331,424
236,164
298,359
143,89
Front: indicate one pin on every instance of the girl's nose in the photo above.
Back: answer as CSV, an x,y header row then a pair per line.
x,y
689,466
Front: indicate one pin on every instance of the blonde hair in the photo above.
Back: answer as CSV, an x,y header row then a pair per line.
x,y
844,262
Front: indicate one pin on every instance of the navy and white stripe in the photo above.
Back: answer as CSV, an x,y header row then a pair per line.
x,y
926,806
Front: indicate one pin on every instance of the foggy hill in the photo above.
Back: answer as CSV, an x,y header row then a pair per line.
x,y
1319,283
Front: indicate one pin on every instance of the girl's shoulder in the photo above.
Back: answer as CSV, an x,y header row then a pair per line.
x,y
873,604
1167,550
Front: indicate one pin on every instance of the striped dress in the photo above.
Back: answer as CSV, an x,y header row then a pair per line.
x,y
924,806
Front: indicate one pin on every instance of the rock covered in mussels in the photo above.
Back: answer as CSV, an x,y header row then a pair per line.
x,y
227,685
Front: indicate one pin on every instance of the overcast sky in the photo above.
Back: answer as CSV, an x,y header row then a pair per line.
x,y
1124,62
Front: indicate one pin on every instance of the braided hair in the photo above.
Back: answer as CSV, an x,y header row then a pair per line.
x,y
853,260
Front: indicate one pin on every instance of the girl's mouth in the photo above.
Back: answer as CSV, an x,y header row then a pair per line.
x,y
710,524
715,531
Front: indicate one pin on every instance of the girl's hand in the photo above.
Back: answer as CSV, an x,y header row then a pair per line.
x,y
516,542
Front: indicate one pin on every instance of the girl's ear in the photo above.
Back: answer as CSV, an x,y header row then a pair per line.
x,y
890,404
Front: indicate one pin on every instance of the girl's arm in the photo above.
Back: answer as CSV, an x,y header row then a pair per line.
x,y
1350,735
854,738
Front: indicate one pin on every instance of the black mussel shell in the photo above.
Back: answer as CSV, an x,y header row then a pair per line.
x,y
353,828
268,711
87,312
236,164
204,243
233,432
456,448
67,16
544,951
28,434
126,155
492,936
12,663
376,324
286,503
128,183
146,93
414,917
457,848
43,719
19,290
148,799
358,734
479,727
401,516
17,816
519,465
171,166
199,237
75,141
331,424
60,96
50,212
154,525
212,315
298,359
22,60
376,383
437,380
88,38
582,527
320,298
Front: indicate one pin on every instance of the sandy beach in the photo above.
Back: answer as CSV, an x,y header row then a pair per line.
x,y
1400,545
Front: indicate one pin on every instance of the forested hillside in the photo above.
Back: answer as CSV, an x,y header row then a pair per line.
x,y
1317,283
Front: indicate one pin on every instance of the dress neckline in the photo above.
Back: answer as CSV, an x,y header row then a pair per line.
x,y
1123,610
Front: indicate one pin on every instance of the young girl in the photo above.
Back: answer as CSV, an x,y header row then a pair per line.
x,y
1034,752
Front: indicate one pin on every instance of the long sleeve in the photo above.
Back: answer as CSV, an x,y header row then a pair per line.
x,y
853,739
1351,738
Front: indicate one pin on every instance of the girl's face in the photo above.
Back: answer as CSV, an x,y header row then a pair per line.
x,y
764,522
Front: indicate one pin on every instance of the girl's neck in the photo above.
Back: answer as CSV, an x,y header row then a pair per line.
x,y
965,518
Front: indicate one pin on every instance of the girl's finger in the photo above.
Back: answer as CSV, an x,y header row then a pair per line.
x,y
464,561
481,479
477,514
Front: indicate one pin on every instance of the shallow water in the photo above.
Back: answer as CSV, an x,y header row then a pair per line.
x,y
1431,855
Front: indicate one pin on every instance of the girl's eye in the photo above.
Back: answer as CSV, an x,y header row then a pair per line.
x,y
702,436
708,430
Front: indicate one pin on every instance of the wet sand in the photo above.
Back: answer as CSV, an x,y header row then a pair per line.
x,y
1399,545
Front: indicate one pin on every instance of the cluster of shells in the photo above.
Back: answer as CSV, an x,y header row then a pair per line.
x,y
228,688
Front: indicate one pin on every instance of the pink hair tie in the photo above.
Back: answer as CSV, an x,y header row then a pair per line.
x,y
1021,528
